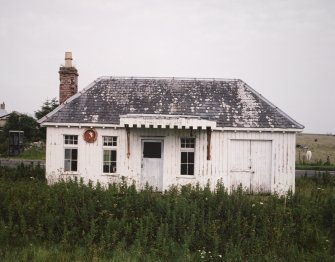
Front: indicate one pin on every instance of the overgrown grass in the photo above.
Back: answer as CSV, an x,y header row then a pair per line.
x,y
78,222
32,154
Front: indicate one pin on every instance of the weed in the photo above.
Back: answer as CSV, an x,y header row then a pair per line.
x,y
75,221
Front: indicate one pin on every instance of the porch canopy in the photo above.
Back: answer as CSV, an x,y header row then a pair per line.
x,y
166,121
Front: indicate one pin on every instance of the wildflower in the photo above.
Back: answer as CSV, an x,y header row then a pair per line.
x,y
220,256
261,203
252,205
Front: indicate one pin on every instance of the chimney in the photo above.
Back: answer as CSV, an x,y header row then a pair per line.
x,y
68,76
2,106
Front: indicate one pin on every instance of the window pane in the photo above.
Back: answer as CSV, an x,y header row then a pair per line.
x,y
152,149
190,157
183,170
114,141
74,154
74,166
183,157
106,169
113,158
67,165
106,155
113,167
190,169
67,153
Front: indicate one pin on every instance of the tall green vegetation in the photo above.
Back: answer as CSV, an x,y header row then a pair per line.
x,y
186,224
24,123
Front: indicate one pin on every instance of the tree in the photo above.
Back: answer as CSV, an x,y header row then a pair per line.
x,y
24,123
47,107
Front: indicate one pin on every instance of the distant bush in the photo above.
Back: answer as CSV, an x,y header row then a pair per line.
x,y
22,173
190,223
315,166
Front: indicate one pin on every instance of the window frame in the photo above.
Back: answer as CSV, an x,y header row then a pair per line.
x,y
110,145
70,140
187,147
70,143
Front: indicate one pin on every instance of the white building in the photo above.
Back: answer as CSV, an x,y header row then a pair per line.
x,y
169,131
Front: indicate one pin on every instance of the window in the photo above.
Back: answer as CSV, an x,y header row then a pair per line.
x,y
109,154
70,140
187,156
110,140
71,159
70,153
152,149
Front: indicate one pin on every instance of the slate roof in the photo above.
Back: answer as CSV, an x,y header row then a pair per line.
x,y
231,103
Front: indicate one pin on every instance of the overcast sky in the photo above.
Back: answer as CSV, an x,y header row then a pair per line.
x,y
285,49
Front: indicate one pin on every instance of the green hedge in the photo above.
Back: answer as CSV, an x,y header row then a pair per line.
x,y
315,167
186,224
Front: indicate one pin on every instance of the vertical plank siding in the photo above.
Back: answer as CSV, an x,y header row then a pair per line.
x,y
275,151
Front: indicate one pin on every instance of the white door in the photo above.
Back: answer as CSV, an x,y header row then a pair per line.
x,y
261,156
240,164
250,165
152,163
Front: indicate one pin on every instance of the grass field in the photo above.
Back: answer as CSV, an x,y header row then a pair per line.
x,y
320,145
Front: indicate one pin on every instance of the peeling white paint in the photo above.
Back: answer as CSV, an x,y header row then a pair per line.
x,y
280,162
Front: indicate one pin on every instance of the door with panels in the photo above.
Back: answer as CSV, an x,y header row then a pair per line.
x,y
152,163
250,164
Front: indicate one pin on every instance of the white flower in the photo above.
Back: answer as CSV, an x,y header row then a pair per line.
x,y
261,203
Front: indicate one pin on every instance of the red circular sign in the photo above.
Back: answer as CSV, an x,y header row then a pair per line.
x,y
90,135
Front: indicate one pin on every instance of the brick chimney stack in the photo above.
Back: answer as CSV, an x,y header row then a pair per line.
x,y
68,76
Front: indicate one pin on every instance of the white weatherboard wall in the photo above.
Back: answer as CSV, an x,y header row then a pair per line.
x,y
269,152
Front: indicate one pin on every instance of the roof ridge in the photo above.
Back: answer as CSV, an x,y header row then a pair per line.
x,y
169,78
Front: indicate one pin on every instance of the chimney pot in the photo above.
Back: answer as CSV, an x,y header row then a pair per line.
x,y
68,59
2,106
